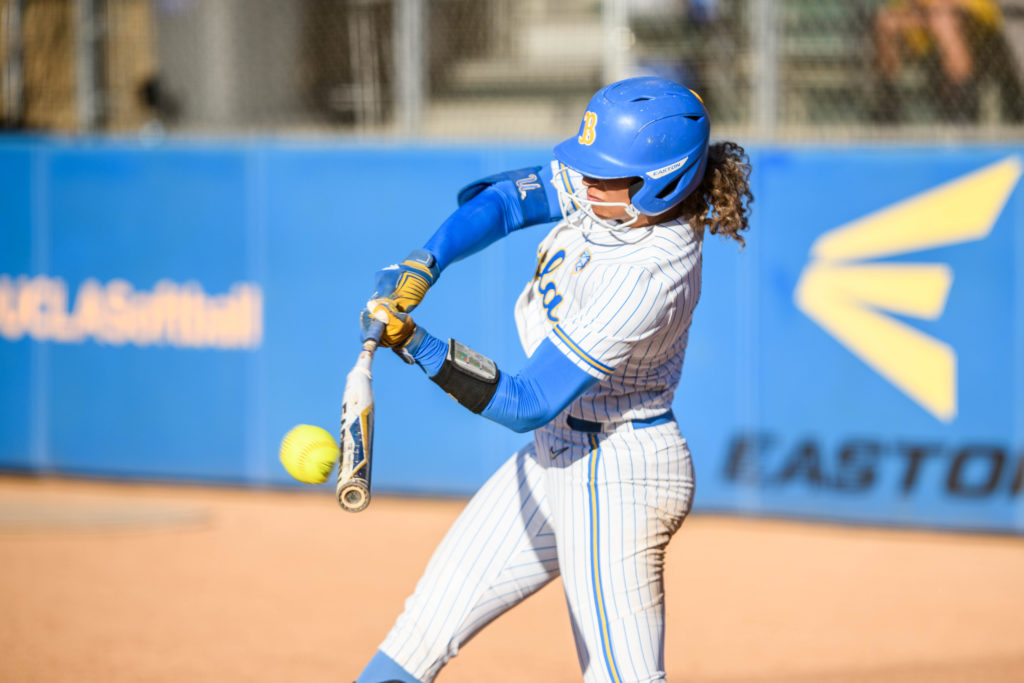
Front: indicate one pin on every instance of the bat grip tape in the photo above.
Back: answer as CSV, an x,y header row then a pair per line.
x,y
469,377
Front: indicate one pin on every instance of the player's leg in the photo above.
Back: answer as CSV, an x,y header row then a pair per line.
x,y
616,506
499,551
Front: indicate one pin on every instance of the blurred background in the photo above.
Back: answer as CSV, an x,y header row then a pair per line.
x,y
793,70
194,196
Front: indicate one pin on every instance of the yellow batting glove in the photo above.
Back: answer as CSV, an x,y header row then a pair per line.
x,y
398,326
406,283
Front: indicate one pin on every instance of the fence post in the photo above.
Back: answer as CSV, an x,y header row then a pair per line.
x,y
87,65
410,58
11,79
615,24
765,72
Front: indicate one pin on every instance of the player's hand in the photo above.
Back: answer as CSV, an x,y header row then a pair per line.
x,y
406,283
398,326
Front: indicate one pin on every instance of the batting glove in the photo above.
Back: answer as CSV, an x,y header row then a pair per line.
x,y
406,283
398,327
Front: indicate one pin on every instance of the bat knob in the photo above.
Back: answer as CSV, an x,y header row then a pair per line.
x,y
354,496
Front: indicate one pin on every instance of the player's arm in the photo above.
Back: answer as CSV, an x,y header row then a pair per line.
x,y
522,402
580,350
489,209
493,207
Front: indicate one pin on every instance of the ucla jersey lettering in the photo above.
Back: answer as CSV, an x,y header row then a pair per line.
x,y
550,298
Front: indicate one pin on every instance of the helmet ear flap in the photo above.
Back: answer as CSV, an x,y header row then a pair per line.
x,y
657,197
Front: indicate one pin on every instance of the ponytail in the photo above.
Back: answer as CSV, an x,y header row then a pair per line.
x,y
721,203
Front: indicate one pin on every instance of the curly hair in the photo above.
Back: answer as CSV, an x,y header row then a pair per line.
x,y
721,203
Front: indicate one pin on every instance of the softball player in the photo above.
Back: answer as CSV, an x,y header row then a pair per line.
x,y
607,479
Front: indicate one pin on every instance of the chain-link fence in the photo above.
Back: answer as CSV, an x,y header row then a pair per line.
x,y
510,69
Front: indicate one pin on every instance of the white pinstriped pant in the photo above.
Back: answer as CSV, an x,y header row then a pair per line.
x,y
599,509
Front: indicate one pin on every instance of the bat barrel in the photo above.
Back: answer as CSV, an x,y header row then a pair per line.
x,y
356,437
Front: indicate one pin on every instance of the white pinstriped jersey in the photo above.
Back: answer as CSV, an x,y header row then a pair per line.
x,y
619,305
597,509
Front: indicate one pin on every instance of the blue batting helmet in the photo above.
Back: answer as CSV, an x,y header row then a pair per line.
x,y
650,128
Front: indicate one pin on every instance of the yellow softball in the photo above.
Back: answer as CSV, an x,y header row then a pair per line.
x,y
308,453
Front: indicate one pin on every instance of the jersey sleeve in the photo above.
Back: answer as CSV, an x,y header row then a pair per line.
x,y
630,306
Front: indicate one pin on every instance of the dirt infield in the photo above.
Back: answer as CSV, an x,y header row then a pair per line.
x,y
126,582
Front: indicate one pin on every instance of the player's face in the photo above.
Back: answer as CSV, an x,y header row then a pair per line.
x,y
615,190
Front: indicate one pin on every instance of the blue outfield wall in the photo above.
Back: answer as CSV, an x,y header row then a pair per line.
x,y
169,310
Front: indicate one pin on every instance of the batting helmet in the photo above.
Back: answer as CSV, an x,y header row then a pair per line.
x,y
645,127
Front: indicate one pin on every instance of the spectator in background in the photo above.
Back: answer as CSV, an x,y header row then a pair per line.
x,y
960,40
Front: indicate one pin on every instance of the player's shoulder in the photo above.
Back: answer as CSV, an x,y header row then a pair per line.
x,y
678,232
665,248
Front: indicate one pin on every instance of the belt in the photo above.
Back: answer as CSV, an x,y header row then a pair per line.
x,y
581,425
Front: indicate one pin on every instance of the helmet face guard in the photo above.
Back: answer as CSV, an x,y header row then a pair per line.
x,y
647,128
577,208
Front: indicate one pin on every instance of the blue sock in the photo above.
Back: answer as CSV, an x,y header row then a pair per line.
x,y
383,669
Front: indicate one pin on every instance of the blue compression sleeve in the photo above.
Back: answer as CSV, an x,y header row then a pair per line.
x,y
474,225
427,350
541,390
522,402
492,208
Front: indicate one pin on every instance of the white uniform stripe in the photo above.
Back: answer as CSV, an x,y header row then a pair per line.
x,y
596,556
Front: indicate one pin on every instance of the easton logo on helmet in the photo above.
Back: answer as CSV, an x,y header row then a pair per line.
x,y
659,172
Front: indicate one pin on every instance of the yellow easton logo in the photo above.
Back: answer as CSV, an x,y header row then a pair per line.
x,y
853,299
